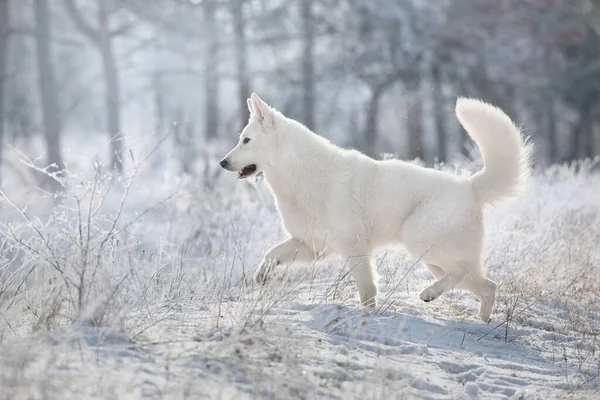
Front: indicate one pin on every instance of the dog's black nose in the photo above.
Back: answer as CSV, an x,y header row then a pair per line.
x,y
224,163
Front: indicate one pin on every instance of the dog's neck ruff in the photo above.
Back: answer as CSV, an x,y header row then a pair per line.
x,y
300,161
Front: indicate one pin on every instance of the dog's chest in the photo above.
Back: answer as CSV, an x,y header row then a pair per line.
x,y
303,217
306,206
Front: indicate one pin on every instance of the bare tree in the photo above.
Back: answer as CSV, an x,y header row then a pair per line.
x,y
380,53
413,126
51,112
550,118
308,64
102,37
211,73
240,44
371,134
183,135
581,144
160,126
4,32
439,101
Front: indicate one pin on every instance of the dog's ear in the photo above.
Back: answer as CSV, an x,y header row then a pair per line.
x,y
250,108
260,109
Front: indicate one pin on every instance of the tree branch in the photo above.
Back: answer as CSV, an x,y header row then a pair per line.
x,y
85,28
19,31
30,32
123,29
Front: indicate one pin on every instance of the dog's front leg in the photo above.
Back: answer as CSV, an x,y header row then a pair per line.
x,y
448,282
285,252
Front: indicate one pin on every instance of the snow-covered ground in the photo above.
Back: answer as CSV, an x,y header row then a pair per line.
x,y
160,303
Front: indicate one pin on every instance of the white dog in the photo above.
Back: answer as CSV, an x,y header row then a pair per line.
x,y
340,201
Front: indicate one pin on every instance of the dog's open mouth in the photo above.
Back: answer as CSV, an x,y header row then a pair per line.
x,y
247,171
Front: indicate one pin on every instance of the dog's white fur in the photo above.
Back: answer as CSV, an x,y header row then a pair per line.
x,y
340,201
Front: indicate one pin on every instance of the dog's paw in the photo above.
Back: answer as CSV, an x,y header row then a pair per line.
x,y
262,272
485,318
428,294
370,303
260,277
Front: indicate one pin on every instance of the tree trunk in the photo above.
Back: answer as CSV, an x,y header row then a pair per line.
x,y
159,118
586,133
239,26
211,78
4,28
371,128
439,107
159,103
51,112
188,155
551,129
113,97
590,142
308,64
102,38
595,145
413,125
577,139
586,141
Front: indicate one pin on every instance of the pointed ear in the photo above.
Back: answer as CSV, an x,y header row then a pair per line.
x,y
250,107
261,109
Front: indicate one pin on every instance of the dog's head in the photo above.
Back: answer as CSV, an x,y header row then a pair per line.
x,y
256,145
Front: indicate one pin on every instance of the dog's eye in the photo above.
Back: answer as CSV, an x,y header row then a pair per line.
x,y
246,140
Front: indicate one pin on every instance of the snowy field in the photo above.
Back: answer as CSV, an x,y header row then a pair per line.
x,y
141,288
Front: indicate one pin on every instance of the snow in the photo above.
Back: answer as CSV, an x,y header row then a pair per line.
x,y
171,311
306,351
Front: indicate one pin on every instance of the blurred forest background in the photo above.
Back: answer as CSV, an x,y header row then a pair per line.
x,y
378,75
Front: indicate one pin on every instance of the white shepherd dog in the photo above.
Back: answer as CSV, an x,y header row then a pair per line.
x,y
340,201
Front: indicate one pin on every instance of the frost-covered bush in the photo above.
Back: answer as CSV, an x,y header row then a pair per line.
x,y
113,246
151,257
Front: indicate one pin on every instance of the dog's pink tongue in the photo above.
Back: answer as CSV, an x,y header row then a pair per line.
x,y
240,174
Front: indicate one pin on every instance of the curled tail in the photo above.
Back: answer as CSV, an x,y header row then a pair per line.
x,y
506,153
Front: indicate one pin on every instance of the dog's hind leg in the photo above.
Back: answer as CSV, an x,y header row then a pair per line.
x,y
289,250
485,290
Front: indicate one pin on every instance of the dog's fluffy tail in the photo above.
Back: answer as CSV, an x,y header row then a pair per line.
x,y
506,153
